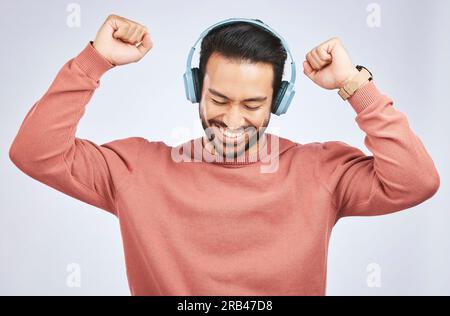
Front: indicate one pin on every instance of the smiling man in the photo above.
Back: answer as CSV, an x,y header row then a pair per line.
x,y
218,224
236,104
240,69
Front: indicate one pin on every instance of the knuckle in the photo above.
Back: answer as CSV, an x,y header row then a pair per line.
x,y
133,28
126,25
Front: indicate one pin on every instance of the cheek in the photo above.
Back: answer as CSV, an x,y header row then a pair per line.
x,y
210,111
260,122
260,118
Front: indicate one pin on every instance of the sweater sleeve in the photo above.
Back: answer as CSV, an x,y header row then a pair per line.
x,y
400,174
46,149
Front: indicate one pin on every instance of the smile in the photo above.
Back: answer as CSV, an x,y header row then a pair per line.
x,y
229,136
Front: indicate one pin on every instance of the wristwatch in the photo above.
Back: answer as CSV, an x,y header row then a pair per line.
x,y
355,82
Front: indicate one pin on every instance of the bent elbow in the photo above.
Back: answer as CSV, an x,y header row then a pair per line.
x,y
431,185
435,183
14,154
20,158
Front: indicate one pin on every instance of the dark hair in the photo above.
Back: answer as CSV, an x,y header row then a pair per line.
x,y
243,41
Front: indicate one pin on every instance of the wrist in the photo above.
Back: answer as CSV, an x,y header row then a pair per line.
x,y
92,62
99,49
357,79
352,73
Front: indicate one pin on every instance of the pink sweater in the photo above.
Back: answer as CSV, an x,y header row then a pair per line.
x,y
205,227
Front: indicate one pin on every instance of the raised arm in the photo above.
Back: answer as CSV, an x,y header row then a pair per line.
x,y
46,147
400,173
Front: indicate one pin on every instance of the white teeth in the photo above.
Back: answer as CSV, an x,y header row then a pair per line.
x,y
227,133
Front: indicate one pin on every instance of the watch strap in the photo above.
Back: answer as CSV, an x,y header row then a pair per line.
x,y
355,83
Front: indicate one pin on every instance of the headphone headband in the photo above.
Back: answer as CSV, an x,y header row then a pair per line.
x,y
281,99
251,21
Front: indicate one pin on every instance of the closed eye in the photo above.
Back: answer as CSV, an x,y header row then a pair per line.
x,y
254,108
218,102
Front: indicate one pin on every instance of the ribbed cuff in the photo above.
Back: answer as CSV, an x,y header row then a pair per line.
x,y
365,96
92,62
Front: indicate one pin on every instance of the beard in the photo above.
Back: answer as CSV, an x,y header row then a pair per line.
x,y
232,149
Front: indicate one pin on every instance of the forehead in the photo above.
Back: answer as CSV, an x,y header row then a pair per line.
x,y
238,78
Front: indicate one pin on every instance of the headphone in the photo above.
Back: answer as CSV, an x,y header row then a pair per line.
x,y
191,77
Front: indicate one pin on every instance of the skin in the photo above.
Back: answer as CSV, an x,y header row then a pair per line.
x,y
329,65
229,84
122,41
236,95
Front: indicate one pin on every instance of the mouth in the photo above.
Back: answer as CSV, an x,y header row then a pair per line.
x,y
229,137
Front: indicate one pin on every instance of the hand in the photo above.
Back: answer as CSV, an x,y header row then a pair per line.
x,y
122,41
329,65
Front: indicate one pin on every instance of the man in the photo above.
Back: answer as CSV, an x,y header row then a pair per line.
x,y
216,224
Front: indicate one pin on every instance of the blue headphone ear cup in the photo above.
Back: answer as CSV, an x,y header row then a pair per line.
x,y
189,86
196,83
279,97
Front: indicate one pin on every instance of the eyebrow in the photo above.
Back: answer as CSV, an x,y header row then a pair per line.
x,y
217,93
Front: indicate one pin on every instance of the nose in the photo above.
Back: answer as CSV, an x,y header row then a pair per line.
x,y
233,118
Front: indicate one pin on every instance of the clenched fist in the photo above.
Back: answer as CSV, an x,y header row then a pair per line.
x,y
329,65
122,41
